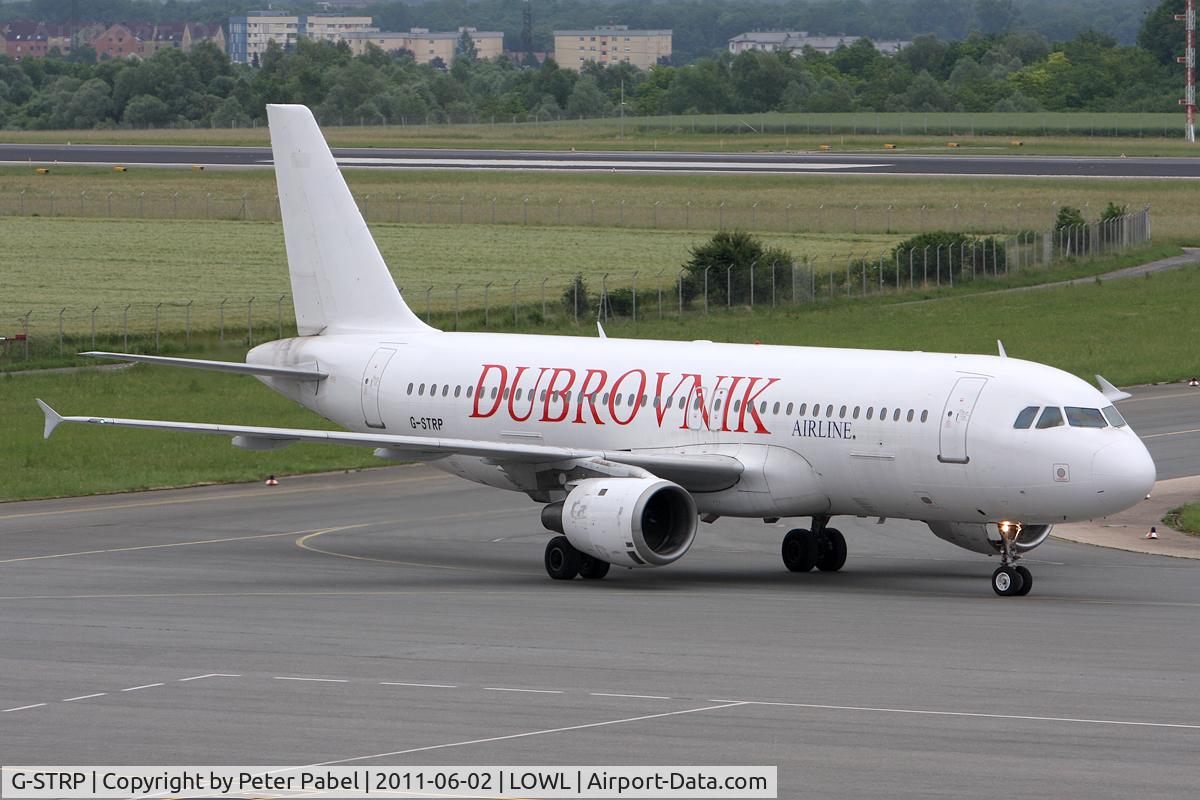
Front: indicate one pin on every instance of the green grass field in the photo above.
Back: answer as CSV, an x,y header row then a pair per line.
x,y
77,264
1131,331
1078,133
781,203
1185,518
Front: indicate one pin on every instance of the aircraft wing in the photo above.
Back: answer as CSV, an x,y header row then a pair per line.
x,y
699,472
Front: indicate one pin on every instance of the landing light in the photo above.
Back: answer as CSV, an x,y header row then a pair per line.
x,y
1007,527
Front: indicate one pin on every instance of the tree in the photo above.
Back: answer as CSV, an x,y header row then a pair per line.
x,y
586,100
146,111
996,16
465,48
728,258
90,104
1161,34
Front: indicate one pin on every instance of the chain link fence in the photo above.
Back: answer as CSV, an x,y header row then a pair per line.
x,y
171,325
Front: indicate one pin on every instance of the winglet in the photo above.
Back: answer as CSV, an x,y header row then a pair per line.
x,y
1000,345
600,329
1111,392
52,419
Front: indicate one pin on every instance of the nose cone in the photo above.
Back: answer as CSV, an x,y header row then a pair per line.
x,y
1123,473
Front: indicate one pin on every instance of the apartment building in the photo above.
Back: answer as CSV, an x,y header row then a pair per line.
x,y
426,45
611,44
795,42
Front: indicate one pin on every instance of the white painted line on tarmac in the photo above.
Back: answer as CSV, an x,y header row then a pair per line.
x,y
420,685
143,686
526,734
631,696
530,691
84,697
22,708
1171,433
518,163
974,714
209,675
311,680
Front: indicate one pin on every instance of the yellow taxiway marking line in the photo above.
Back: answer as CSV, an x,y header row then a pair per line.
x,y
179,544
225,496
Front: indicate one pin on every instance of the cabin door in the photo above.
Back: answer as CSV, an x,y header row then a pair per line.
x,y
372,377
956,417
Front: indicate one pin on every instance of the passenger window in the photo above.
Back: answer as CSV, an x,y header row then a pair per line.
x,y
737,406
410,388
789,409
870,412
717,405
1084,417
457,391
1113,416
1025,418
495,390
470,391
775,409
855,413
446,390
1051,418
762,408
883,414
924,416
421,390
643,403
803,408
816,409
842,413
519,393
896,415
910,415
828,411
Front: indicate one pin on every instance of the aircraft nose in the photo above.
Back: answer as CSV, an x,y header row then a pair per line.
x,y
1124,472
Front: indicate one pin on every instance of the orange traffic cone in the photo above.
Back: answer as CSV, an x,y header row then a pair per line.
x,y
1153,534
271,481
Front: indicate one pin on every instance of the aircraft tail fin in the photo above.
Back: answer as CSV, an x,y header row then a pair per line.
x,y
340,282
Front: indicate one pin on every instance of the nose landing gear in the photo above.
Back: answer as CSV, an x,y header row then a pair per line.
x,y
1010,579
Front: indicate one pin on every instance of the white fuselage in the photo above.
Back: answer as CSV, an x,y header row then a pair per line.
x,y
925,436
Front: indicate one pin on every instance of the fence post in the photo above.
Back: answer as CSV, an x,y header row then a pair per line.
x,y
592,217
753,269
687,214
279,316
754,215
187,324
525,210
487,313
175,205
706,269
493,211
635,274
221,318
94,310
61,311
399,199
514,300
680,279
52,202
21,196
729,286
721,216
428,308
366,211
108,198
125,326
657,203
250,322
25,331
207,205
544,299
773,265
82,198
911,282
939,266
142,204
658,283
925,280
898,270
429,208
856,219
157,306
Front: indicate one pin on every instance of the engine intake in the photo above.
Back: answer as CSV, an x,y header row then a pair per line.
x,y
632,522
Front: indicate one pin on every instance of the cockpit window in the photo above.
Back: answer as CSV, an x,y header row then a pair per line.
x,y
1084,417
1113,416
1025,418
1051,418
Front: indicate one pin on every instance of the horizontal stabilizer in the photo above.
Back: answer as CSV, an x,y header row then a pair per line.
x,y
52,418
1112,393
294,373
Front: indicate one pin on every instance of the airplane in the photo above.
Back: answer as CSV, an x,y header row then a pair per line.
x,y
629,444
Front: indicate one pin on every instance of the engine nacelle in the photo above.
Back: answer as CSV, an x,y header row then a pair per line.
x,y
631,522
985,538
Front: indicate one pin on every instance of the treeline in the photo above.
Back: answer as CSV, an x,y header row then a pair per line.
x,y
701,27
1009,72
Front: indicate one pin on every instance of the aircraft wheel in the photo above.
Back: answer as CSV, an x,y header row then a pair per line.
x,y
592,568
1026,581
800,550
1007,581
832,550
562,559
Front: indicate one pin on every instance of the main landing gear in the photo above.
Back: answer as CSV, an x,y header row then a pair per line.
x,y
822,547
564,562
1010,579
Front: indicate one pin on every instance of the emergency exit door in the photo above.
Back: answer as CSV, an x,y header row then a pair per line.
x,y
372,377
956,418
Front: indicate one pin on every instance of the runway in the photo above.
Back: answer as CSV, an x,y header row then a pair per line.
x,y
737,163
400,616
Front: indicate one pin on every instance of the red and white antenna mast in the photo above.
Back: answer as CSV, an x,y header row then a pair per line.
x,y
1189,58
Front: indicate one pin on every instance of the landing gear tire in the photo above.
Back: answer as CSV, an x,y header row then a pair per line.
x,y
1026,581
562,559
800,550
592,568
831,550
1008,581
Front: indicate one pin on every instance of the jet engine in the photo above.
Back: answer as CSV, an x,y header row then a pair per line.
x,y
986,538
631,522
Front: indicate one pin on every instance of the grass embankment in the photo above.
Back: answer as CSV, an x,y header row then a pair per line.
x,y
1131,331
1185,518
1074,133
784,203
